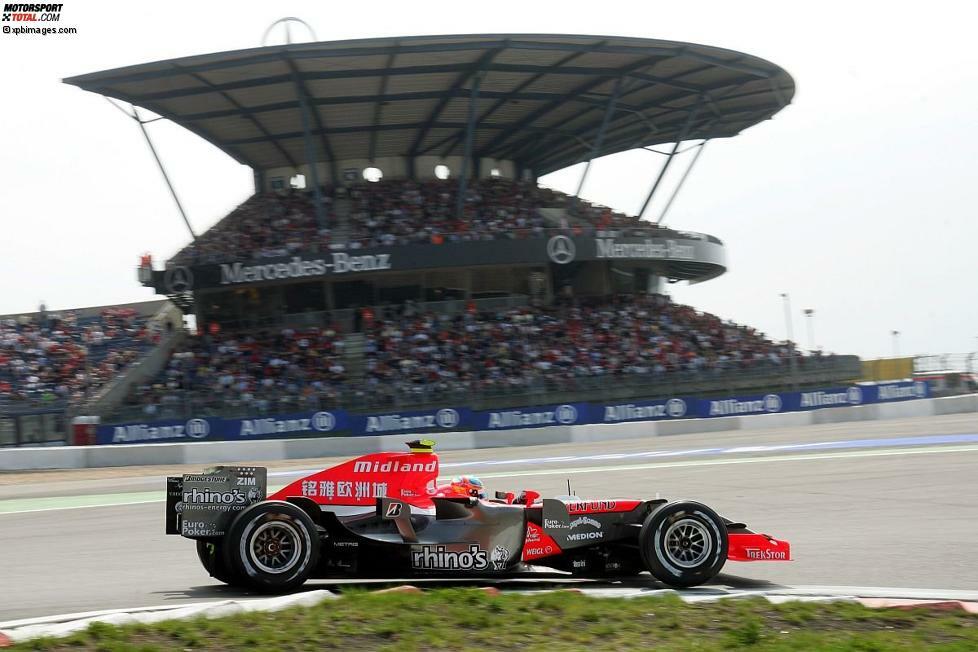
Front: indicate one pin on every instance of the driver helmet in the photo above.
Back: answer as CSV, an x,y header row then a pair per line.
x,y
468,485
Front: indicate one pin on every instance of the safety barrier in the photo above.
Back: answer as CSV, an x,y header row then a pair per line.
x,y
69,457
326,423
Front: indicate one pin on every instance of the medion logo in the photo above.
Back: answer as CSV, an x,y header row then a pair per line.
x,y
608,248
342,263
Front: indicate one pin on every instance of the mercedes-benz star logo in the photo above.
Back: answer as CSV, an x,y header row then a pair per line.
x,y
561,249
178,279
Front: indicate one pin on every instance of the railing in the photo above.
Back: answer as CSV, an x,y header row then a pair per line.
x,y
812,372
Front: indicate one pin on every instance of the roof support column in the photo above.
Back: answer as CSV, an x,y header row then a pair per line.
x,y
166,177
679,186
463,178
599,139
672,154
311,161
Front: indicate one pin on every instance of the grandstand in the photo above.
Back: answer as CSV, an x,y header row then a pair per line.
x,y
397,251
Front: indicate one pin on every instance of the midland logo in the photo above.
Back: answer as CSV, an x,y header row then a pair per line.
x,y
561,249
393,466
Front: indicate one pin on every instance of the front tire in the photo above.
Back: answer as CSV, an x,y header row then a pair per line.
x,y
683,544
272,547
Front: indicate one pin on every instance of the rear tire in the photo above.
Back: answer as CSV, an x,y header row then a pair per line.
x,y
212,558
683,544
272,547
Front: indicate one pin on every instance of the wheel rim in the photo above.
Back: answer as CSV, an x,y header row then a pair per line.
x,y
275,547
688,543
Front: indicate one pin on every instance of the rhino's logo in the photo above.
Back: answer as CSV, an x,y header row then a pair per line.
x,y
499,558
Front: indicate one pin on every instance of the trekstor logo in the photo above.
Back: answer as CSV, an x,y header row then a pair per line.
x,y
561,249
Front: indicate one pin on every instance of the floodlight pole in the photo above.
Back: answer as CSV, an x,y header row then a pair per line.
x,y
793,362
599,139
672,198
166,177
679,139
463,178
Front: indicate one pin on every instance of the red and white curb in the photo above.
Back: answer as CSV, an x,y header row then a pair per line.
x,y
876,597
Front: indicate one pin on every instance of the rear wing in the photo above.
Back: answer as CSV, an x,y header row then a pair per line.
x,y
202,505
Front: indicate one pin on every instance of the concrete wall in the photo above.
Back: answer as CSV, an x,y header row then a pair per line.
x,y
74,457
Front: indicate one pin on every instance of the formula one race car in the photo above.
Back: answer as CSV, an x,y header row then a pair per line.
x,y
383,515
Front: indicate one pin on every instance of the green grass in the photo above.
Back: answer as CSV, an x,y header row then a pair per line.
x,y
467,619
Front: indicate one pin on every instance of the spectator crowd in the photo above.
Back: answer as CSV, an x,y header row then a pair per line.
x,y
395,212
53,357
410,356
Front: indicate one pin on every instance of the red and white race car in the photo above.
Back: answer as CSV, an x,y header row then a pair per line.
x,y
384,515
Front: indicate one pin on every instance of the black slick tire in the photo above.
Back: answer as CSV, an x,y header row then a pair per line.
x,y
212,558
272,547
683,544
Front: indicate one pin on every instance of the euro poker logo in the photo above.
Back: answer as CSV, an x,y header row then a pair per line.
x,y
198,428
772,403
676,407
447,418
566,414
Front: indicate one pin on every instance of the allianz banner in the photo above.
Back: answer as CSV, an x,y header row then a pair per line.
x,y
565,414
220,429
447,419
391,423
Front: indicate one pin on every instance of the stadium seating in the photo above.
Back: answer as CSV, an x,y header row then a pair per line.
x,y
410,356
54,357
395,212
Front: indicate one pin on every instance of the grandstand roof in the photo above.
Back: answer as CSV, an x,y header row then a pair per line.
x,y
541,100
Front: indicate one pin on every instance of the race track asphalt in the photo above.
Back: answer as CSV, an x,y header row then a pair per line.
x,y
878,509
